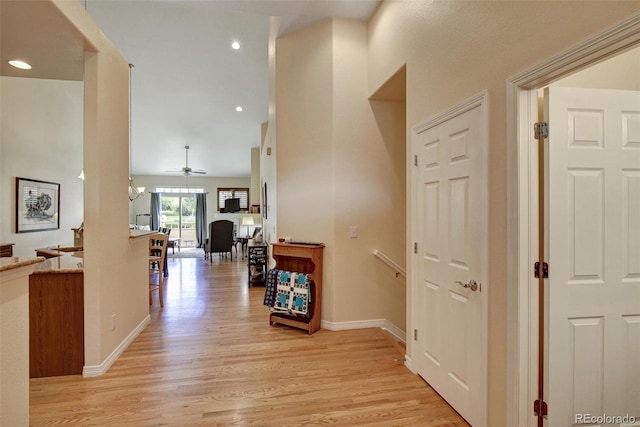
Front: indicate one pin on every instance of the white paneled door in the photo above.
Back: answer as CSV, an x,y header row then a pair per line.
x,y
449,289
592,244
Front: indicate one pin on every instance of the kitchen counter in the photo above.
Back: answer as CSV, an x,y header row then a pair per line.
x,y
14,335
67,263
10,263
56,313
133,234
60,259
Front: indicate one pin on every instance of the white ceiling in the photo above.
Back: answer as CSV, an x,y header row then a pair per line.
x,y
186,80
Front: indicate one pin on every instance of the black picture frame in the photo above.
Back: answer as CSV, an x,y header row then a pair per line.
x,y
37,205
264,201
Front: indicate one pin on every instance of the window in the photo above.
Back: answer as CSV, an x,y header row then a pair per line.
x,y
178,212
179,190
231,193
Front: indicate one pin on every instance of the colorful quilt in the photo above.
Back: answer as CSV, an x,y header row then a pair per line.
x,y
288,292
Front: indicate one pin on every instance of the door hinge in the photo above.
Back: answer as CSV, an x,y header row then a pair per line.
x,y
415,160
541,130
541,270
415,247
540,408
415,335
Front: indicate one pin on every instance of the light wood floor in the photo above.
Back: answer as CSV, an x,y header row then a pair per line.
x,y
211,358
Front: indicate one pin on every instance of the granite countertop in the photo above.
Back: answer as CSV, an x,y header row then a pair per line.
x,y
140,233
61,259
69,262
60,250
9,263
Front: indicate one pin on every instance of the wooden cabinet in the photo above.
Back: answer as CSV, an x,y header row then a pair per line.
x,y
56,324
301,258
257,258
6,249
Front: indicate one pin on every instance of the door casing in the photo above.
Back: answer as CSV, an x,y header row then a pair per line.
x,y
522,205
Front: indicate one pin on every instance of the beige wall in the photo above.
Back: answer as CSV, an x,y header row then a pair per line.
x,y
336,170
369,193
454,50
268,148
254,189
305,182
115,267
41,134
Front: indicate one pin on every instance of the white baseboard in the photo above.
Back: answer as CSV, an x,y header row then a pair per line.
x,y
383,324
101,369
397,333
408,364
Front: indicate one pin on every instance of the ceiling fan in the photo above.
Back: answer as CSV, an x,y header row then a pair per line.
x,y
186,170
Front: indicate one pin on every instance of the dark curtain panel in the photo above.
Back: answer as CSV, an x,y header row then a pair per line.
x,y
201,218
155,211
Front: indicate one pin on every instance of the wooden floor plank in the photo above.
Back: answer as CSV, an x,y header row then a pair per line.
x,y
209,357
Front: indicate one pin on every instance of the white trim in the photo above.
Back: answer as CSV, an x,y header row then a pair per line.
x,y
608,43
391,263
477,100
522,242
101,369
383,324
408,363
397,333
174,191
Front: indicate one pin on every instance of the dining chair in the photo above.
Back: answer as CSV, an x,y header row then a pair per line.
x,y
157,256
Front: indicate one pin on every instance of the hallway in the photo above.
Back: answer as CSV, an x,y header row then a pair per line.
x,y
210,358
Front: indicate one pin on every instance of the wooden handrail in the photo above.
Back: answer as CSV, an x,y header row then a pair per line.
x,y
399,270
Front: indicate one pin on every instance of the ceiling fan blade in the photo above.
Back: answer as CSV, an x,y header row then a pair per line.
x,y
198,171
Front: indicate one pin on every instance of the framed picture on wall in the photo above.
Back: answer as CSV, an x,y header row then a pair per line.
x,y
37,205
264,201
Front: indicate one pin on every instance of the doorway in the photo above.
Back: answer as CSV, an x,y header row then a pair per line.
x,y
524,176
178,213
449,287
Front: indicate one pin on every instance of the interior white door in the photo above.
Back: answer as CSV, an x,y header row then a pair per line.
x,y
592,244
451,211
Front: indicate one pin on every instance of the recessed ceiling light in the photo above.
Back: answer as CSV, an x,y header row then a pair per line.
x,y
20,64
238,109
235,45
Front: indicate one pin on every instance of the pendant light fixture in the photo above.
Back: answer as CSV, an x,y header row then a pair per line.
x,y
134,192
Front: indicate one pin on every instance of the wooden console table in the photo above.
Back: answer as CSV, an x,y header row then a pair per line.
x,y
302,258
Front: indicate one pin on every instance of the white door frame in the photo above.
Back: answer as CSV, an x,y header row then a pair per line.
x,y
522,207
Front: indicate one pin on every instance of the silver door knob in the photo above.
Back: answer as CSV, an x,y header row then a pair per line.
x,y
473,285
